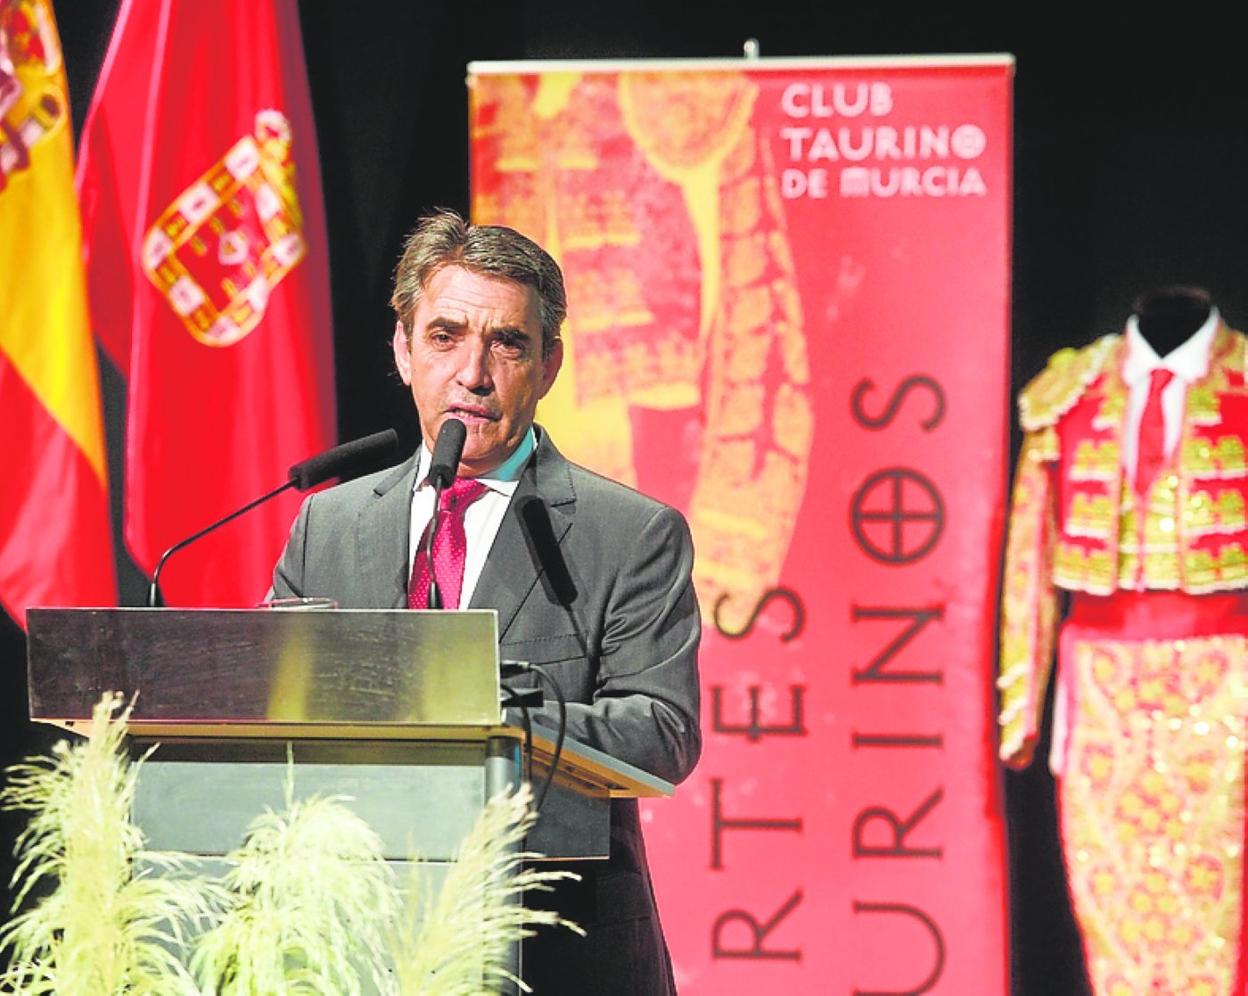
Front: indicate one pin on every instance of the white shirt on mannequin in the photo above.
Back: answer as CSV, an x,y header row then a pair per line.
x,y
1188,362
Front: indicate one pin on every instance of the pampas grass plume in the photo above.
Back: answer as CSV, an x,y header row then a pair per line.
x,y
114,915
312,899
308,905
456,944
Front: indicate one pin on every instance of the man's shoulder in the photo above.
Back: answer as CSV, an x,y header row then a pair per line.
x,y
597,495
595,489
621,514
351,494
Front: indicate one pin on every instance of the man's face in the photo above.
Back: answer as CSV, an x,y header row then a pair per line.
x,y
476,355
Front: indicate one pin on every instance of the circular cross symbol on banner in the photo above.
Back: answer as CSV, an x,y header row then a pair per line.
x,y
897,516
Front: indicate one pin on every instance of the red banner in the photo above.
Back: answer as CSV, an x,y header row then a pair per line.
x,y
209,279
788,316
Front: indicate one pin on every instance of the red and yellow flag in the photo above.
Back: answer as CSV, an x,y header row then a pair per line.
x,y
209,282
55,539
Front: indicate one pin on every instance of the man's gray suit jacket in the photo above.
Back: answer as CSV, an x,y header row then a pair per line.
x,y
593,581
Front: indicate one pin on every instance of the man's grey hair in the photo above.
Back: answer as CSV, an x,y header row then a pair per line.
x,y
443,238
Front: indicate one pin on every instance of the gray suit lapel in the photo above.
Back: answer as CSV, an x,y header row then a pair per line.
x,y
381,523
511,570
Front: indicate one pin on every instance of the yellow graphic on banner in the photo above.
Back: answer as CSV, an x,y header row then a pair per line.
x,y
44,332
661,203
218,251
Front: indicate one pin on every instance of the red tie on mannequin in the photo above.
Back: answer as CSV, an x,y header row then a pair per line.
x,y
450,546
1152,452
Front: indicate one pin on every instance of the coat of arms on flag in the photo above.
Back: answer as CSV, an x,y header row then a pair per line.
x,y
30,103
217,252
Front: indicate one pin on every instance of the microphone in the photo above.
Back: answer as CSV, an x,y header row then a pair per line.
x,y
344,460
447,449
443,469
341,461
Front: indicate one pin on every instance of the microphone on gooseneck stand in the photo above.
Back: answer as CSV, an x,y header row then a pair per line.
x,y
341,461
443,469
345,460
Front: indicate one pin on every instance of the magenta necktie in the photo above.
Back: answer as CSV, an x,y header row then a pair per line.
x,y
1152,451
450,545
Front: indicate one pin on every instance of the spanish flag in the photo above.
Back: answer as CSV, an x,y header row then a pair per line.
x,y
55,539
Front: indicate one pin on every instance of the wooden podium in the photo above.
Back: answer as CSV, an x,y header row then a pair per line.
x,y
397,709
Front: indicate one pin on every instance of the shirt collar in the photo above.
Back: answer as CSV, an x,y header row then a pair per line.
x,y
502,478
1189,361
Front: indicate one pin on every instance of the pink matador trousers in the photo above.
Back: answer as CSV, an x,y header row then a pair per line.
x,y
1148,748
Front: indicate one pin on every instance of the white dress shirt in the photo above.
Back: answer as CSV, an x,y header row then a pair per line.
x,y
482,518
1188,362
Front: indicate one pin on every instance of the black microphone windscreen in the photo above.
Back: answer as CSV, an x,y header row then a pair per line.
x,y
447,450
343,459
539,537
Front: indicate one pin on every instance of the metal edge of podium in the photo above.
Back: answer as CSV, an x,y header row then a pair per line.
x,y
579,764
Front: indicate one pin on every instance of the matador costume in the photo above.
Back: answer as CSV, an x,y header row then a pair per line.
x,y
1152,688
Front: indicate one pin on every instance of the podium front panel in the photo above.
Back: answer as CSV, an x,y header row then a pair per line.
x,y
349,667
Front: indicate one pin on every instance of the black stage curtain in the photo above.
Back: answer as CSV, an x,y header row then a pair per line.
x,y
1129,165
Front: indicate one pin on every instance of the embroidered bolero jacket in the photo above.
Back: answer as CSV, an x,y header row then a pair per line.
x,y
1076,522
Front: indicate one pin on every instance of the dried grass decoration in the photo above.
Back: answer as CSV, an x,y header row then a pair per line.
x,y
311,901
456,944
115,914
309,905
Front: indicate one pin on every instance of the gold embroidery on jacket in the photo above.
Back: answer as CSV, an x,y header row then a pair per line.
x,y
1060,385
1096,461
1029,609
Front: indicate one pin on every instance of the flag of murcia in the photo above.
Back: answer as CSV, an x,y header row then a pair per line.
x,y
208,272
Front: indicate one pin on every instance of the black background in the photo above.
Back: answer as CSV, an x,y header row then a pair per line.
x,y
1129,173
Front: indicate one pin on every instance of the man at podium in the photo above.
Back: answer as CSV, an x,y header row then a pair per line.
x,y
590,579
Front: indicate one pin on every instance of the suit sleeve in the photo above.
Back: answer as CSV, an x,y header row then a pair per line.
x,y
289,571
645,704
1028,599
